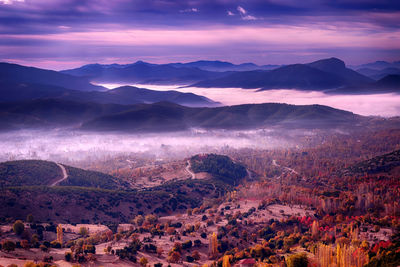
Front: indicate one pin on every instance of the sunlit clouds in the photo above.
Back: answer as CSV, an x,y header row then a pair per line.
x,y
264,32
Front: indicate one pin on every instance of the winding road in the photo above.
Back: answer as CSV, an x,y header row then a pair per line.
x,y
285,168
189,171
65,175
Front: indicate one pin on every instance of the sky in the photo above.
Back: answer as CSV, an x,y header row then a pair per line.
x,y
62,34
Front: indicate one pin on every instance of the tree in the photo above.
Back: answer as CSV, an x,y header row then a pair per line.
x,y
297,260
60,234
138,220
151,219
196,255
315,229
143,261
25,244
29,218
83,231
174,256
213,246
225,261
18,227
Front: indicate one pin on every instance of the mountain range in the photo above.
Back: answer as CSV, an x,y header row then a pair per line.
x,y
323,75
319,75
142,73
222,66
125,95
38,98
378,69
172,73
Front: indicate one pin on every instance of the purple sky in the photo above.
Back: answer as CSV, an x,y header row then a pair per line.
x,y
61,34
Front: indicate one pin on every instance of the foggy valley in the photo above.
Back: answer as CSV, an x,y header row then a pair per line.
x,y
199,133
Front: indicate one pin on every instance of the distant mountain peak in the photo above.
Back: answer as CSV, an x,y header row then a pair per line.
x,y
141,62
331,63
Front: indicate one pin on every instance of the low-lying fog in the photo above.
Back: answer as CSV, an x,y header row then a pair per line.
x,y
386,105
70,147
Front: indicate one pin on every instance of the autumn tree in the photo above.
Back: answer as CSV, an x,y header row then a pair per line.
x,y
174,256
138,220
226,261
315,229
143,261
60,234
83,231
213,246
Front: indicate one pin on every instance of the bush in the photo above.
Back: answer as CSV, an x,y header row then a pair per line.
x,y
55,244
197,243
8,245
297,260
68,256
187,244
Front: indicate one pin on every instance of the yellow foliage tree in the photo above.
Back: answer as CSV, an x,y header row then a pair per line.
x,y
226,261
213,246
60,234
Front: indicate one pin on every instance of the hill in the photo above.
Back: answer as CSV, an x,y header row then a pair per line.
x,y
88,196
318,75
172,117
13,73
381,164
142,72
52,113
28,172
388,84
220,167
126,95
46,173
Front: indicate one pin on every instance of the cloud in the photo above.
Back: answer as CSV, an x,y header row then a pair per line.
x,y
249,17
244,14
55,29
189,10
9,2
241,10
